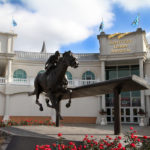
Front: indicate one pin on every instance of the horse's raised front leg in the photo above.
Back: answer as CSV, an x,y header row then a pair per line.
x,y
37,97
47,102
69,102
37,101
52,98
40,105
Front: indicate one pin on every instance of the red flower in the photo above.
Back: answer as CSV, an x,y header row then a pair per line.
x,y
145,137
119,145
123,148
47,146
71,143
132,136
59,134
54,144
84,146
62,146
119,137
101,147
88,141
138,140
132,145
86,135
131,128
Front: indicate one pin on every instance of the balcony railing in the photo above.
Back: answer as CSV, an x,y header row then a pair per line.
x,y
45,56
2,80
86,82
19,81
30,81
71,83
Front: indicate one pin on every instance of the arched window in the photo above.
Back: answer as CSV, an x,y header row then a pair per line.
x,y
69,75
20,74
88,75
41,71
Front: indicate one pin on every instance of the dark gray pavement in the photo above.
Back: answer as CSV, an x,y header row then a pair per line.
x,y
26,137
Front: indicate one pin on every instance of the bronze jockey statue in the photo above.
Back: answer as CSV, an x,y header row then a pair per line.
x,y
52,61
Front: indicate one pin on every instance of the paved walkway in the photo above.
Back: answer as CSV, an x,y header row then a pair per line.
x,y
74,132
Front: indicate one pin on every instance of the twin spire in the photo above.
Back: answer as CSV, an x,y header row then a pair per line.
x,y
43,50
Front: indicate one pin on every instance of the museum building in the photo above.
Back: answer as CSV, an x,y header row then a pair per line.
x,y
120,55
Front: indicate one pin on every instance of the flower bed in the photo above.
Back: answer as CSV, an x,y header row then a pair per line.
x,y
128,142
26,122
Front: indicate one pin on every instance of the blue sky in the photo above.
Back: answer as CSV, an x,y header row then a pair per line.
x,y
122,23
70,25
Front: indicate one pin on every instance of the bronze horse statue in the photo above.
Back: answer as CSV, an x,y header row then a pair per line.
x,y
54,83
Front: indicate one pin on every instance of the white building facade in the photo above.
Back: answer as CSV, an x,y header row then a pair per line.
x,y
121,54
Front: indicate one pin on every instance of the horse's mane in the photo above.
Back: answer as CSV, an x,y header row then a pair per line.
x,y
60,60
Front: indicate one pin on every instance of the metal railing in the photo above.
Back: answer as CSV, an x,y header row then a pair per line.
x,y
2,80
86,82
45,56
20,81
30,81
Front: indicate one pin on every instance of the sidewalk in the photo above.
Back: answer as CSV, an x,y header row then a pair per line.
x,y
75,132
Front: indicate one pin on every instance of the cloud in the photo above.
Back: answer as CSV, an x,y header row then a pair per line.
x,y
133,5
56,22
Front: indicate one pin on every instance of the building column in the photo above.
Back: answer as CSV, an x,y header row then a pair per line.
x,y
6,108
147,108
141,67
99,107
142,76
9,71
103,79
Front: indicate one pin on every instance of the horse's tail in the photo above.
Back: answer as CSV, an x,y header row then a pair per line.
x,y
31,93
36,86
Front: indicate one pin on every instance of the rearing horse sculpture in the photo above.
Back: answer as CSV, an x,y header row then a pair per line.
x,y
54,83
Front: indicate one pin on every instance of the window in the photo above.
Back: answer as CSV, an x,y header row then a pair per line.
x,y
135,70
20,74
69,75
123,71
88,75
111,73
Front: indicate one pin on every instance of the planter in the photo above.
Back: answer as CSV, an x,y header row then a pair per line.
x,y
103,121
141,121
